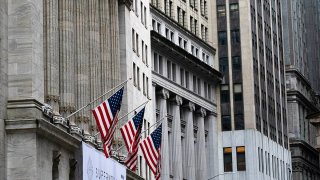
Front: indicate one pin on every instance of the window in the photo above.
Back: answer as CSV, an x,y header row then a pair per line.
x,y
145,16
137,44
234,9
133,40
236,63
226,123
158,27
173,72
191,24
235,37
223,66
155,62
160,65
142,51
194,84
205,90
141,12
199,86
154,25
144,83
221,11
187,79
182,77
239,121
227,159
222,38
138,77
146,54
237,88
147,87
134,74
241,158
225,94
168,69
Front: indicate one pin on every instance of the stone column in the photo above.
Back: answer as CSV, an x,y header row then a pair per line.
x,y
201,171
3,82
67,64
176,132
165,171
189,167
212,154
51,54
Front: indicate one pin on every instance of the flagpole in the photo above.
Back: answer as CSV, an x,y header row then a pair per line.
x,y
128,113
153,125
98,98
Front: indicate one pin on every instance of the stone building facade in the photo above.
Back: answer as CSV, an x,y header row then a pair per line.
x,y
55,57
301,24
184,81
252,123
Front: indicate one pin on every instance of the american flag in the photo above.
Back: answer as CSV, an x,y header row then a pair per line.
x,y
106,112
151,150
131,134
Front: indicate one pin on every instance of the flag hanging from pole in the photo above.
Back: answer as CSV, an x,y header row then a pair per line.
x,y
150,147
131,132
106,113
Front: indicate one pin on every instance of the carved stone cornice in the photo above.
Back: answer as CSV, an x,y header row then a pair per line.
x,y
164,93
177,99
202,112
190,106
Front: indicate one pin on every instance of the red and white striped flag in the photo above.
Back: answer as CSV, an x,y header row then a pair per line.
x,y
106,112
131,132
151,150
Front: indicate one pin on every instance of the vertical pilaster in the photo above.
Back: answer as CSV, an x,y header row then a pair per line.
x,y
201,170
82,63
176,132
189,167
51,54
67,64
165,172
3,82
212,154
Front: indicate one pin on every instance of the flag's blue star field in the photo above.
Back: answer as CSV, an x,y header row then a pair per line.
x,y
115,101
156,137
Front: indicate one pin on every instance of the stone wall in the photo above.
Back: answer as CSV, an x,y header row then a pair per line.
x,y
3,80
81,55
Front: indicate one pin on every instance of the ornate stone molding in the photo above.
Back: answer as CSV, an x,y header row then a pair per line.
x,y
177,99
202,112
164,93
190,106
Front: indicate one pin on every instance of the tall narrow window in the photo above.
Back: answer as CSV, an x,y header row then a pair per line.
x,y
227,159
173,72
226,123
221,11
144,83
155,62
169,69
199,86
142,51
145,16
187,79
225,96
141,12
138,77
234,9
222,37
160,65
137,44
182,77
134,74
241,158
147,86
133,40
235,37
194,84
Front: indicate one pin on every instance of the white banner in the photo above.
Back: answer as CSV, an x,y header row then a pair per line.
x,y
97,167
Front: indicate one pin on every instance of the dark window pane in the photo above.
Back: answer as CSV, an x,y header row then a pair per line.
x,y
236,63
239,121
227,159
235,37
226,123
225,96
223,65
241,158
221,11
234,9
222,38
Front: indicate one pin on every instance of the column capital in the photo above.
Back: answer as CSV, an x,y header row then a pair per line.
x,y
202,112
154,83
164,93
190,106
211,113
177,99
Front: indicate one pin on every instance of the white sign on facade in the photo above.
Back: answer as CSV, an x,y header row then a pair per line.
x,y
97,167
